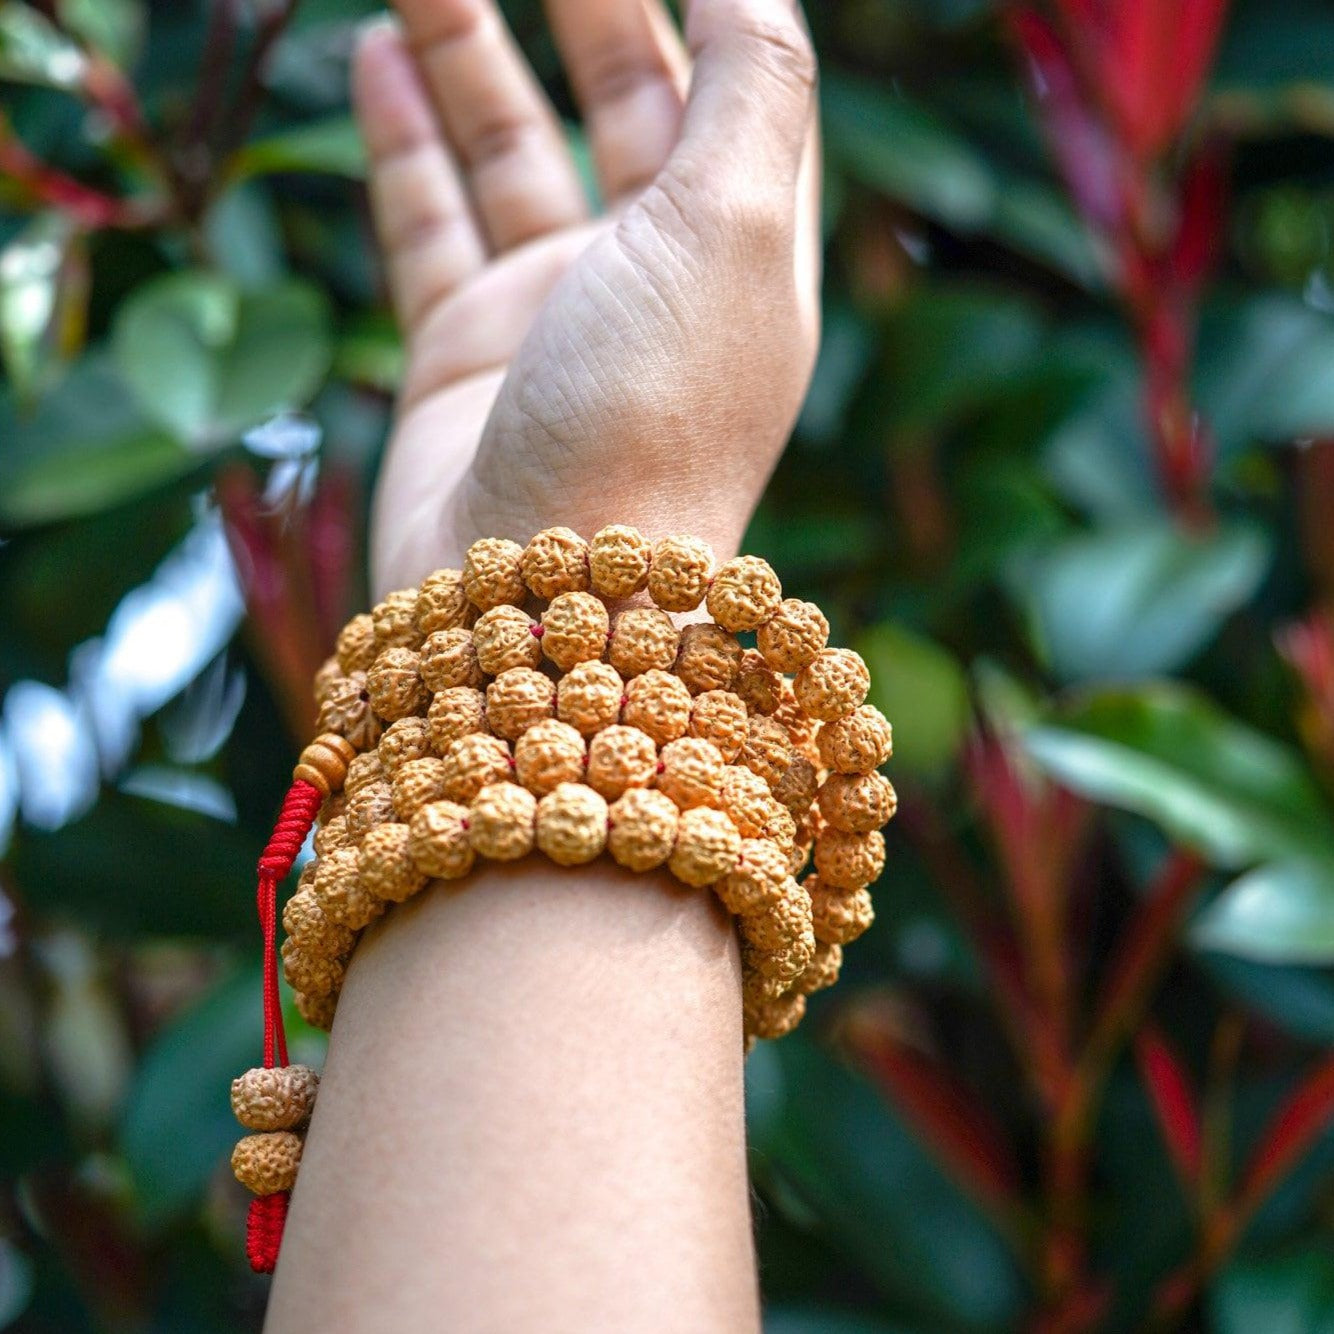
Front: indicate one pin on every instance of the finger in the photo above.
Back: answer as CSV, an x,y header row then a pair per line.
x,y
627,66
752,93
519,169
420,209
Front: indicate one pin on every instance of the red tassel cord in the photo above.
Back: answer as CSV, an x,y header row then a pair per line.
x,y
264,1224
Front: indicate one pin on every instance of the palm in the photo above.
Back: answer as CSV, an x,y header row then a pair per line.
x,y
555,358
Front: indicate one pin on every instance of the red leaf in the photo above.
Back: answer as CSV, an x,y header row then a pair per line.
x,y
960,1131
1085,154
1199,25
1168,1086
1138,79
1291,1132
1203,198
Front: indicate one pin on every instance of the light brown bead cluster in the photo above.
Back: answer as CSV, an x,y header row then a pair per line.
x,y
473,722
274,1105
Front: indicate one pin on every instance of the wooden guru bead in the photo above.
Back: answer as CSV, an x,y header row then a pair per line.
x,y
323,763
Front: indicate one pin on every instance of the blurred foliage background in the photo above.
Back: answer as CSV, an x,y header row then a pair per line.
x,y
1065,476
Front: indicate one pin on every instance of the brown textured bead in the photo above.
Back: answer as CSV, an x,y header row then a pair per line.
x,y
793,635
707,845
503,638
332,834
857,744
756,881
618,561
759,687
385,864
643,639
344,900
832,685
305,970
555,561
368,806
588,697
305,922
332,807
418,783
442,603
839,915
408,739
517,699
395,620
448,659
800,729
438,840
658,704
690,772
395,684
472,762
323,763
328,672
620,758
767,751
643,828
571,824
574,629
756,988
783,966
500,822
797,787
779,824
493,573
708,659
457,712
680,572
277,1098
746,799
744,593
549,753
776,1018
786,920
317,1011
798,856
719,716
357,646
849,861
857,803
366,768
347,710
823,969
266,1163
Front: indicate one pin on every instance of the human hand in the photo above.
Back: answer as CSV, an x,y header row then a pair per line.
x,y
645,366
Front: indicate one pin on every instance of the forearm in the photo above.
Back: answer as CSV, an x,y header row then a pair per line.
x,y
531,1117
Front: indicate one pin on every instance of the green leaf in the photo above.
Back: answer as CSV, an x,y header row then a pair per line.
x,y
877,1192
177,1125
371,352
1282,912
1170,754
114,27
1297,1000
1135,600
826,1320
83,479
1290,1291
922,690
331,147
208,360
34,50
43,289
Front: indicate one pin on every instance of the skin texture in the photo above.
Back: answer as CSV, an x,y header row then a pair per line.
x,y
531,1116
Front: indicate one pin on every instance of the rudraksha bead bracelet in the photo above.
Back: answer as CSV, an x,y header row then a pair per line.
x,y
464,720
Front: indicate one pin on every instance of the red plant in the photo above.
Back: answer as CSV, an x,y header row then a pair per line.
x,y
1118,83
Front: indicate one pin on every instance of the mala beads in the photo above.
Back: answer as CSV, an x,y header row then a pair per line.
x,y
463,721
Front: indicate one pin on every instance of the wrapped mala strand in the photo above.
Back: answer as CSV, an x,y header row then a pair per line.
x,y
457,727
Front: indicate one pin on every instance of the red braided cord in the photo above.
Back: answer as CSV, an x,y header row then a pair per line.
x,y
299,809
264,1230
